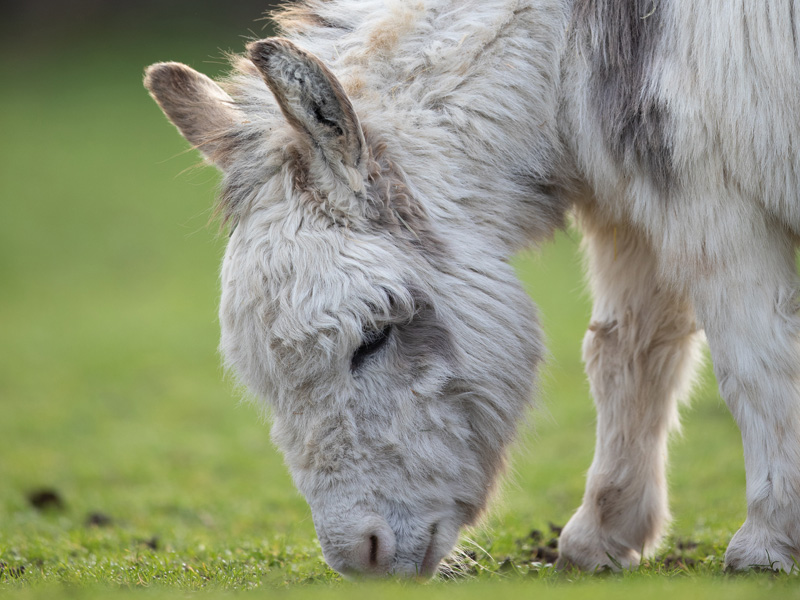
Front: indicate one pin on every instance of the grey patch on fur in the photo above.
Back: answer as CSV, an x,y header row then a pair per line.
x,y
549,201
393,208
482,441
608,504
620,38
238,185
425,335
470,510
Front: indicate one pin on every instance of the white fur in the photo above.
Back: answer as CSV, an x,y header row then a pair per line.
x,y
488,118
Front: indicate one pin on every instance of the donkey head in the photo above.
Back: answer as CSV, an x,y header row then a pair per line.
x,y
395,355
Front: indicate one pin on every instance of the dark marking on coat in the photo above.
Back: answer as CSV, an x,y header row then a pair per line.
x,y
620,38
549,201
483,440
392,207
423,336
331,445
238,184
373,342
792,26
608,501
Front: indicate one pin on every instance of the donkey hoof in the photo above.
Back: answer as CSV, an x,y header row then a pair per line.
x,y
751,550
583,546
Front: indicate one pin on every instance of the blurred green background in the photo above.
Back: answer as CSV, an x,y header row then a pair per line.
x,y
111,392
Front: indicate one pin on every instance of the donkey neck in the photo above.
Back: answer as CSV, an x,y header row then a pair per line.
x,y
464,95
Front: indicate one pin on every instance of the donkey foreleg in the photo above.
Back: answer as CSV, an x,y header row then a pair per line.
x,y
639,352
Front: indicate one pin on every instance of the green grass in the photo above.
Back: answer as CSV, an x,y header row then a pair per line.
x,y
111,391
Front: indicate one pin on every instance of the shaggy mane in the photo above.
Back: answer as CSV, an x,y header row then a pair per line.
x,y
300,17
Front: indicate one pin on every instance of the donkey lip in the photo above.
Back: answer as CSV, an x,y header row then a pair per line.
x,y
430,561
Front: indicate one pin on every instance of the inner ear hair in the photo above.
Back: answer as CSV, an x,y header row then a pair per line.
x,y
311,99
197,106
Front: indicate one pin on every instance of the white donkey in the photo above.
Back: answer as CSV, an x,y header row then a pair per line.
x,y
385,159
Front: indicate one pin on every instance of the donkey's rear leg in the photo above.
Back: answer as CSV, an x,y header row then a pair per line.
x,y
639,352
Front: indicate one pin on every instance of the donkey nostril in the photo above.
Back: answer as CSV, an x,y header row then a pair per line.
x,y
373,550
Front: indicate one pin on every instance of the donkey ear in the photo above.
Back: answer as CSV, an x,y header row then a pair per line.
x,y
198,107
311,98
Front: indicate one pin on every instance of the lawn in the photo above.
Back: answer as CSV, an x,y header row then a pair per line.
x,y
164,479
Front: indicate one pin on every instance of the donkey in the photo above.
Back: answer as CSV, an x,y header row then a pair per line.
x,y
384,159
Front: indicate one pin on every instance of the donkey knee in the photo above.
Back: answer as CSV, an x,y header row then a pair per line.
x,y
604,357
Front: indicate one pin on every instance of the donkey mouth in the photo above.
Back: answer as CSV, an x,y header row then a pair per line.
x,y
432,558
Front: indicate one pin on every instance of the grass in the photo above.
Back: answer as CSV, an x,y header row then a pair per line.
x,y
111,391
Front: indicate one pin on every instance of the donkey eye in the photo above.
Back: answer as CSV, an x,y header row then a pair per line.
x,y
373,341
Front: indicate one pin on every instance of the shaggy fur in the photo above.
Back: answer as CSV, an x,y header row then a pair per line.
x,y
383,161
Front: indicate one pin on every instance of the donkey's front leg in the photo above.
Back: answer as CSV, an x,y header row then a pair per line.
x,y
750,314
639,352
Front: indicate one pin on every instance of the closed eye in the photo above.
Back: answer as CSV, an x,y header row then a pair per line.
x,y
373,341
